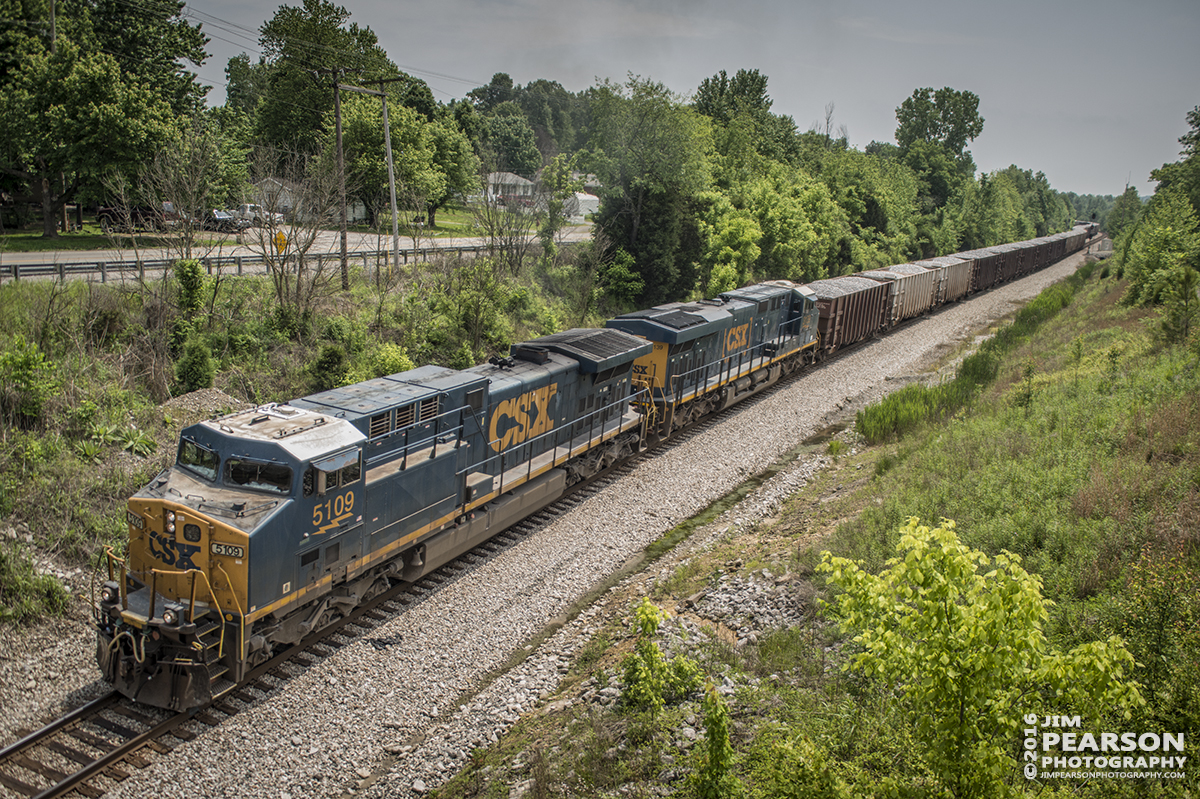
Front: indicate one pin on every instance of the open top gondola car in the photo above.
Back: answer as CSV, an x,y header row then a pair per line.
x,y
954,281
276,521
851,309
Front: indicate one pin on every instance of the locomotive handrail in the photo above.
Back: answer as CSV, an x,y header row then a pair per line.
x,y
241,617
111,556
192,607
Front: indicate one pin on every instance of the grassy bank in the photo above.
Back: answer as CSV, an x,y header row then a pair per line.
x,y
1080,454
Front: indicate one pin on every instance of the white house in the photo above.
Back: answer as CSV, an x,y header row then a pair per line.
x,y
281,196
508,184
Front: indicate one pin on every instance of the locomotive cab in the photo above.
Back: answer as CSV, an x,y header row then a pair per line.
x,y
172,615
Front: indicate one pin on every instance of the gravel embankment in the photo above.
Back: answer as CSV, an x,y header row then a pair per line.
x,y
351,717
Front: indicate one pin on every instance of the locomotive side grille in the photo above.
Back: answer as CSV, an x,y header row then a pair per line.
x,y
381,423
406,416
429,409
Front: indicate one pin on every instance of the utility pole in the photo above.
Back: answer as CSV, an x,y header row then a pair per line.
x,y
337,72
341,168
387,143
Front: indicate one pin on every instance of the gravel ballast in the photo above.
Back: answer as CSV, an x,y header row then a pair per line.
x,y
383,720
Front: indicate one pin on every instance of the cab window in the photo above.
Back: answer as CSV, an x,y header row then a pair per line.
x,y
259,475
198,459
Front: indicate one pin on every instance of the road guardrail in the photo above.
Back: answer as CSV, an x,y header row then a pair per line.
x,y
220,262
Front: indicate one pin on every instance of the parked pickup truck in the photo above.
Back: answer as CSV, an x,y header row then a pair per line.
x,y
256,215
138,217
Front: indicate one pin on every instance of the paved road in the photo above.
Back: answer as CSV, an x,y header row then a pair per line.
x,y
327,242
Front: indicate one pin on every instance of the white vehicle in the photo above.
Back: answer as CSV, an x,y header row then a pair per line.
x,y
255,214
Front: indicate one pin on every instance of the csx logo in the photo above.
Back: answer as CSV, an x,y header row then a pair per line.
x,y
172,552
738,338
514,416
642,369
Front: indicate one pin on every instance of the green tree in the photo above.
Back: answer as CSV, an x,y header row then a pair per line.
x,y
1125,212
1184,175
556,188
149,40
73,113
245,83
946,117
730,244
1178,288
551,112
743,99
509,144
366,157
1166,238
652,154
455,159
958,636
499,90
802,227
317,35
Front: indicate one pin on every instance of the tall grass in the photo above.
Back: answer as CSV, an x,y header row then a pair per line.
x,y
913,405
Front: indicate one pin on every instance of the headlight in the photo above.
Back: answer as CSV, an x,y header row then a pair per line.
x,y
171,616
109,594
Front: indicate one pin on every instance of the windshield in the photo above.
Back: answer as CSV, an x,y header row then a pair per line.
x,y
273,477
198,459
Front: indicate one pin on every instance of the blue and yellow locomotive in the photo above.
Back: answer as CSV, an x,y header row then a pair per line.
x,y
711,354
276,521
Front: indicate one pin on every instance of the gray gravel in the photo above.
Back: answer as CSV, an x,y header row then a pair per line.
x,y
384,722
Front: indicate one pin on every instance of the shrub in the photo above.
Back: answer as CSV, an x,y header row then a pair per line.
x,y
650,680
190,275
329,370
27,381
715,778
621,280
195,369
386,359
25,594
958,636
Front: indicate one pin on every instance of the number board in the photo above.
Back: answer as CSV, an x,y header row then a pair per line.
x,y
228,550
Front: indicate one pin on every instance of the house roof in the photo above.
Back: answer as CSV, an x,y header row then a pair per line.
x,y
508,179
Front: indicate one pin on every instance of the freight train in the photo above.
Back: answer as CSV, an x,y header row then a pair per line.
x,y
275,522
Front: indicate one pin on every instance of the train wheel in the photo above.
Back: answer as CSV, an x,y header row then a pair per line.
x,y
377,588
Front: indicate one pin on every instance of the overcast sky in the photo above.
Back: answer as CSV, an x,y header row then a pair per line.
x,y
1092,93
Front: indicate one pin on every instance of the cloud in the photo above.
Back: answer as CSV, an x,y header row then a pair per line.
x,y
887,31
